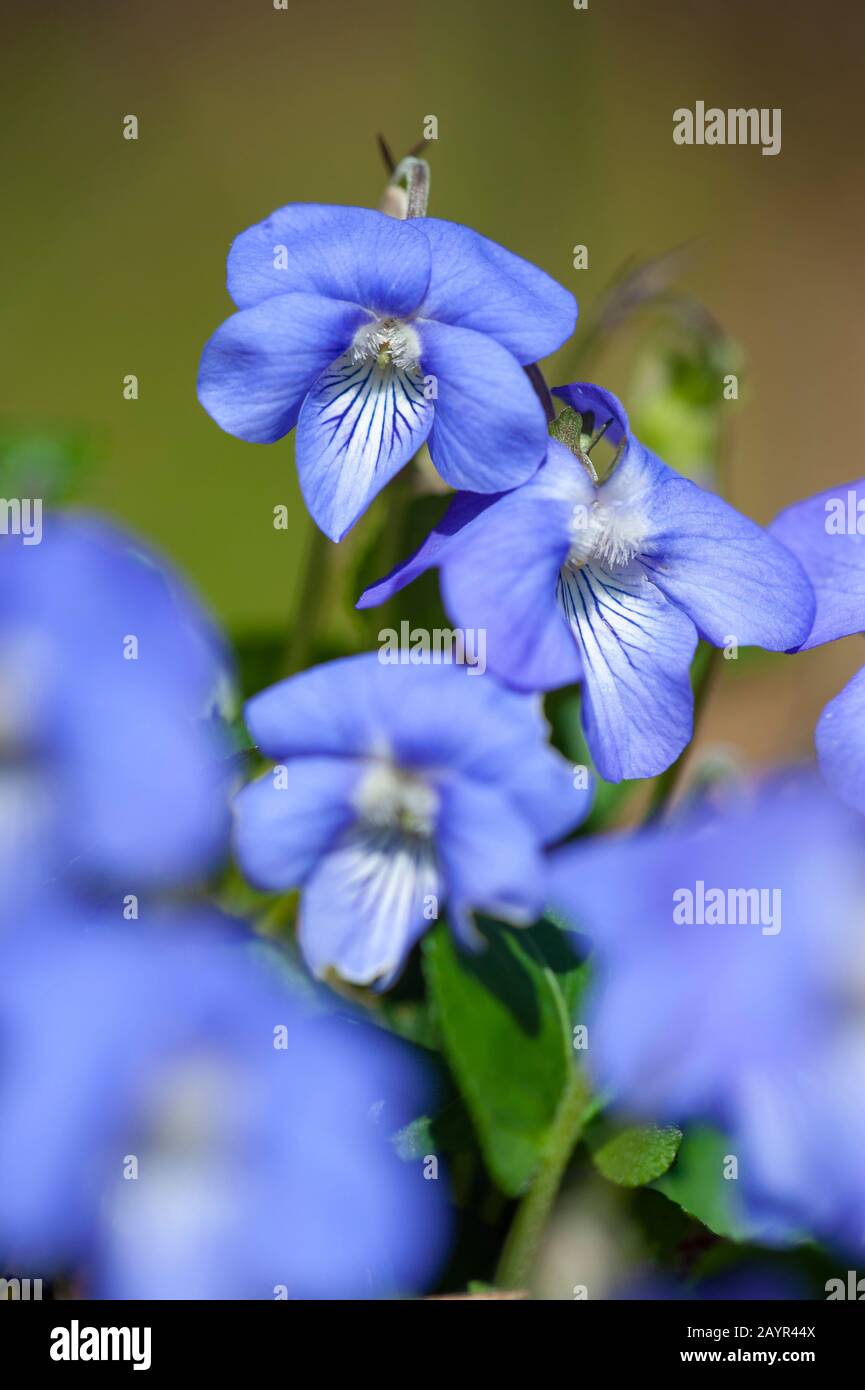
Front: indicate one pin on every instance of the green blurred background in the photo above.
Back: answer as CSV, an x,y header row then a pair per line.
x,y
555,128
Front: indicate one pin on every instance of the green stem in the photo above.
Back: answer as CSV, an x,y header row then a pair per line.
x,y
665,785
311,601
529,1224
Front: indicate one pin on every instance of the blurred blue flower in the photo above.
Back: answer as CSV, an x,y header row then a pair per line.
x,y
731,988
113,769
399,790
174,1125
372,335
824,533
752,1283
611,583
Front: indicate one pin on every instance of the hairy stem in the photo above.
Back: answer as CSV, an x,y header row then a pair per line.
x,y
529,1224
311,601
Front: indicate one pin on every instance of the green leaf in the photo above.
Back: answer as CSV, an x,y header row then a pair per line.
x,y
409,1019
635,1156
505,1016
697,1184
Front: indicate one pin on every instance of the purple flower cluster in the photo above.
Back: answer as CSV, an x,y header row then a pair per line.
x,y
174,1121
177,1120
404,790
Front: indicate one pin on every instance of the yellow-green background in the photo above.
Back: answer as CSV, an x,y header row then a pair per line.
x,y
555,128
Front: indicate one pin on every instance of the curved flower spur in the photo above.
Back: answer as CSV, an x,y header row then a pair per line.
x,y
610,581
373,336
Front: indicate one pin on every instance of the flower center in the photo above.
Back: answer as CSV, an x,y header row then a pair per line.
x,y
193,1144
387,342
391,798
609,532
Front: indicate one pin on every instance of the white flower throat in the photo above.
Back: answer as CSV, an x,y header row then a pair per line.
x,y
392,798
387,862
387,342
606,530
